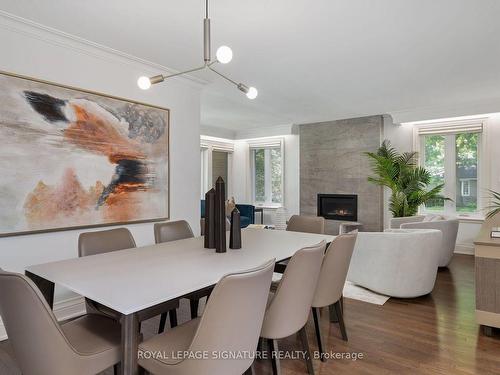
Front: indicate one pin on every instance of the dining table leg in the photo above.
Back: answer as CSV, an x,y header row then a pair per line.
x,y
130,343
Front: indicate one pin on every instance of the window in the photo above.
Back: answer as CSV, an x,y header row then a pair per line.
x,y
465,188
450,152
267,173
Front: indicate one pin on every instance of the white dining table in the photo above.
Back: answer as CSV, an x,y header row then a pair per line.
x,y
139,283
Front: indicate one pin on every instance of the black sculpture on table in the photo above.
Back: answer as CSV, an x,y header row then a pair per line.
x,y
210,219
235,234
220,216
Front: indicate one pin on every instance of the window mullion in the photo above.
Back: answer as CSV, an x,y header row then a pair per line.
x,y
480,182
450,174
267,175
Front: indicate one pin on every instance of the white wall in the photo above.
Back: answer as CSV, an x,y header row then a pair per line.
x,y
241,173
493,155
401,137
292,174
36,52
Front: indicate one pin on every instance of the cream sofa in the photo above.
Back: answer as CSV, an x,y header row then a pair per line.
x,y
449,228
398,263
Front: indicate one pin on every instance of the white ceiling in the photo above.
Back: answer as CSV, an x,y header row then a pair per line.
x,y
311,60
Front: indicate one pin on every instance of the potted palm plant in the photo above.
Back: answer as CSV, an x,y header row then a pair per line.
x,y
494,207
409,183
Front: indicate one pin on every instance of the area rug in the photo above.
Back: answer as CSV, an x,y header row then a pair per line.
x,y
352,291
361,294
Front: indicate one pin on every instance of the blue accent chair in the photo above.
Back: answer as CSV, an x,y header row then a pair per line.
x,y
247,213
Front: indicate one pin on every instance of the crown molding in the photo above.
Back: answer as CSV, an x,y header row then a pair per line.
x,y
218,132
11,22
265,131
251,133
469,108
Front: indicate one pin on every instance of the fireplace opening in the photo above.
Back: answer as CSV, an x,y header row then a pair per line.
x,y
342,207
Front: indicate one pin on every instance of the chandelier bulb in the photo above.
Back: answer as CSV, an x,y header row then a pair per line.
x,y
224,54
252,93
144,83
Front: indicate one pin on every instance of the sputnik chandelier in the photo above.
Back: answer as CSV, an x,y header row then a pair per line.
x,y
224,55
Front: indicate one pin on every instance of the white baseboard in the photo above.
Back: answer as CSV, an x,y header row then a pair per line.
x,y
464,249
63,310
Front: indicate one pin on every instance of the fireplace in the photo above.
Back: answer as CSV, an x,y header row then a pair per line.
x,y
342,207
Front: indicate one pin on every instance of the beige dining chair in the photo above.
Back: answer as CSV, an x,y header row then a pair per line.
x,y
105,241
230,324
99,242
173,231
202,226
306,224
85,346
331,282
288,308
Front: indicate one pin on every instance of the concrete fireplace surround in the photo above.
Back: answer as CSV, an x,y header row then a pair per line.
x,y
332,162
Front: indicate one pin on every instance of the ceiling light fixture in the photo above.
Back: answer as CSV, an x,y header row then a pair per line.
x,y
224,55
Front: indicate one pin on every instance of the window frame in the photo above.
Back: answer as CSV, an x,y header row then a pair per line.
x,y
253,146
452,128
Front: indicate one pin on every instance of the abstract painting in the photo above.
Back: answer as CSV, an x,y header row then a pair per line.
x,y
71,158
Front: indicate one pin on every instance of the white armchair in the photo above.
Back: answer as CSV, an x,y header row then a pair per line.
x,y
449,228
398,263
396,222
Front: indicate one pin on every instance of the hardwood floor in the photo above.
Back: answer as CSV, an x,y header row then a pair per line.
x,y
435,334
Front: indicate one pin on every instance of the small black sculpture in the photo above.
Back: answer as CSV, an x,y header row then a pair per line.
x,y
235,235
220,216
210,219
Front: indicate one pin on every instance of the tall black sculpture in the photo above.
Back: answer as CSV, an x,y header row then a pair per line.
x,y
210,219
220,216
235,235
